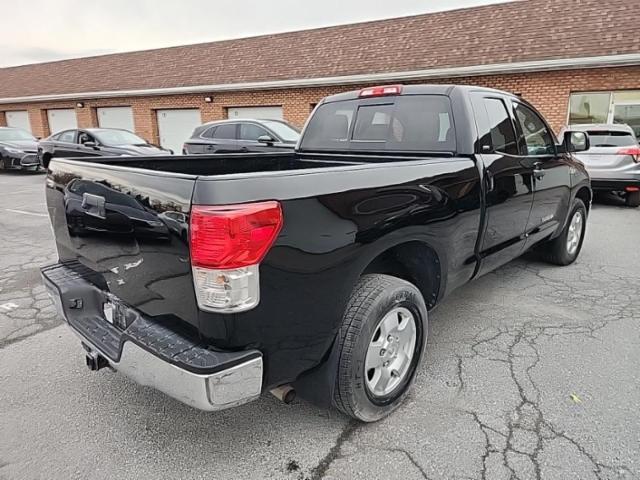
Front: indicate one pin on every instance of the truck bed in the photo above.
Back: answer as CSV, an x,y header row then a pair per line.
x,y
224,164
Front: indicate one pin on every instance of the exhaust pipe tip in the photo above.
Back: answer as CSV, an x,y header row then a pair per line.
x,y
284,393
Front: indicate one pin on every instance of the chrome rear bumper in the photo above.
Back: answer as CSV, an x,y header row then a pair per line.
x,y
151,353
225,389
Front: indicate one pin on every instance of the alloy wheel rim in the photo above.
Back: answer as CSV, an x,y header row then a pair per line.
x,y
575,232
390,352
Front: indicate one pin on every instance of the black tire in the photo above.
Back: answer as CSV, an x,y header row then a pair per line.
x,y
632,199
556,251
372,298
45,161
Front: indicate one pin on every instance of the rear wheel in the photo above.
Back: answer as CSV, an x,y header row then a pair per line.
x,y
381,343
564,249
632,199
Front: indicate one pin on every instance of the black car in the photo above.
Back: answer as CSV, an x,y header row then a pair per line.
x,y
95,142
18,149
314,270
238,136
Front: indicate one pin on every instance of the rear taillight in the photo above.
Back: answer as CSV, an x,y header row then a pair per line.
x,y
381,91
633,151
227,245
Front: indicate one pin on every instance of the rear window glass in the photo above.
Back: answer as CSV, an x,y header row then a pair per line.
x,y
407,123
602,138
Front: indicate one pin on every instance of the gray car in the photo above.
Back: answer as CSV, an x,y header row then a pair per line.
x,y
239,136
613,161
18,149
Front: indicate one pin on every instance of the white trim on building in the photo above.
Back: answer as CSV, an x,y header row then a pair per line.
x,y
474,70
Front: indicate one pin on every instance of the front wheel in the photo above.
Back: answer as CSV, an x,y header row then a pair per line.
x,y
381,343
564,249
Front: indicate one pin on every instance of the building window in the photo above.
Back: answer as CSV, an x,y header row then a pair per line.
x,y
626,109
589,107
606,107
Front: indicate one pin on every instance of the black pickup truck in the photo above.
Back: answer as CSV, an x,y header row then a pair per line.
x,y
217,278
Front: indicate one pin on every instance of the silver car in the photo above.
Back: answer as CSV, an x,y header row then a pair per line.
x,y
613,161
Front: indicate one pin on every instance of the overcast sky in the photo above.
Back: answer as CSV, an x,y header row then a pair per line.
x,y
43,30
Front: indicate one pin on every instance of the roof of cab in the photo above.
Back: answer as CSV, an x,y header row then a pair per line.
x,y
423,89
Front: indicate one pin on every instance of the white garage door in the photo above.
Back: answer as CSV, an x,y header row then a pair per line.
x,y
116,117
19,119
273,113
62,119
176,126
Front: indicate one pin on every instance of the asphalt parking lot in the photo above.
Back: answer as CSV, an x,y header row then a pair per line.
x,y
532,371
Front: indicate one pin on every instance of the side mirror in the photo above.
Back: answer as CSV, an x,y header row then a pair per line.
x,y
266,139
576,141
93,145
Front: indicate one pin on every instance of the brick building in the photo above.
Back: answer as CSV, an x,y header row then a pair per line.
x,y
576,60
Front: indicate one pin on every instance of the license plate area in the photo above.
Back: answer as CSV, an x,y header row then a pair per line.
x,y
116,313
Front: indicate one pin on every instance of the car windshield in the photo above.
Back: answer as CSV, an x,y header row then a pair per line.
x,y
605,138
284,131
12,134
113,138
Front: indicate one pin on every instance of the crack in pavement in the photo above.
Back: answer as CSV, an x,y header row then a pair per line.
x,y
517,348
318,472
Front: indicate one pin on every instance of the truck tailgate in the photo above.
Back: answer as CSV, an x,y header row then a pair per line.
x,y
129,228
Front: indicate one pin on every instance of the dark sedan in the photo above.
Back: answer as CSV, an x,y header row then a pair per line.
x,y
238,136
93,142
18,149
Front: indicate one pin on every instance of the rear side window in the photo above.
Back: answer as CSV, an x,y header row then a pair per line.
x,y
69,136
503,137
225,132
602,138
406,123
209,133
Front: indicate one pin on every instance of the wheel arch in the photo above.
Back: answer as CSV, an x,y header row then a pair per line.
x,y
415,261
585,194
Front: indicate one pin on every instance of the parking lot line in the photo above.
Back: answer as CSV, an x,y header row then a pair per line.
x,y
23,212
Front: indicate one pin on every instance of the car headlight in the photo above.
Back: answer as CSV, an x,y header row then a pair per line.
x,y
15,151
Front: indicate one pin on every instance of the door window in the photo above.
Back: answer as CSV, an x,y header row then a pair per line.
x,y
251,132
503,136
84,137
225,132
537,138
68,137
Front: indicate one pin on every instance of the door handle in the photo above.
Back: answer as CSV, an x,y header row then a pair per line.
x,y
244,149
538,171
